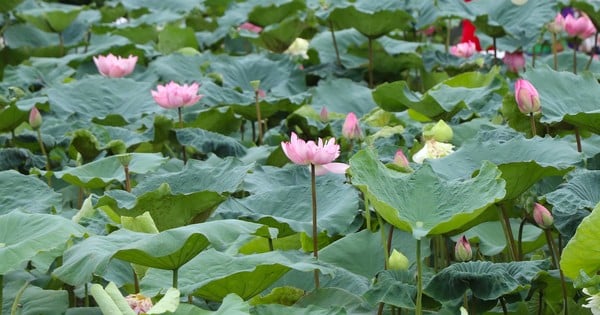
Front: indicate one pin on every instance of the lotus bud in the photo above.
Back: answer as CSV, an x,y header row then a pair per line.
x,y
255,84
35,118
542,217
439,132
558,25
527,97
139,303
125,159
351,129
398,261
514,61
462,250
324,114
400,159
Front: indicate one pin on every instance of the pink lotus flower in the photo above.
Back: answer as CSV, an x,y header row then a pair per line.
x,y
320,154
527,97
514,61
462,250
463,50
351,129
542,217
35,118
115,67
139,303
400,159
558,25
173,95
581,27
250,27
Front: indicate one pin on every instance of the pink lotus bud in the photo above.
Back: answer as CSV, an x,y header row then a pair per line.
x,y
462,250
35,118
527,97
173,95
581,27
139,303
400,159
463,50
324,114
514,61
115,67
250,27
558,25
351,129
542,217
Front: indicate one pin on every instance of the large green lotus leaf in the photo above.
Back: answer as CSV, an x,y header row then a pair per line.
x,y
580,254
341,278
574,200
19,159
290,204
53,18
8,5
205,141
464,90
393,287
278,37
23,236
371,18
277,309
323,44
343,96
232,305
99,97
99,173
514,154
212,274
33,299
173,248
272,11
173,38
423,202
486,280
182,6
441,9
11,117
492,240
335,298
27,193
25,76
92,256
179,67
560,104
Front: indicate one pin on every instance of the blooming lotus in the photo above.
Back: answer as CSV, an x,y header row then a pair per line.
x,y
463,50
542,217
433,150
173,95
298,48
514,61
320,154
593,302
115,67
581,27
351,128
139,303
527,97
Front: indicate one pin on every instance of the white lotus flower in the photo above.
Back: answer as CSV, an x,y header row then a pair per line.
x,y
433,150
593,302
298,48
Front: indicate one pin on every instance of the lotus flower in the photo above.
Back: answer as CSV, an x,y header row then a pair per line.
x,y
527,97
173,95
558,25
35,118
514,61
324,114
115,67
139,303
462,250
400,159
593,302
463,50
250,27
433,150
542,217
581,27
320,154
298,48
351,129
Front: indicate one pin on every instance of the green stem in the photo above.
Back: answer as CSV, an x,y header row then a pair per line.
x,y
270,240
578,139
575,59
175,277
503,303
520,240
510,239
532,122
259,119
383,240
554,51
136,283
335,46
419,306
61,44
86,298
127,181
313,182
389,240
43,149
181,127
556,262
495,50
15,305
589,63
370,63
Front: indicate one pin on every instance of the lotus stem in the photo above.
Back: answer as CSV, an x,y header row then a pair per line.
x,y
86,298
495,50
418,304
61,44
367,211
15,305
575,59
556,263
578,139
258,118
313,182
370,63
554,51
335,46
520,240
389,241
127,180
541,302
181,127
270,240
503,303
383,240
136,283
175,277
43,149
589,63
532,123
510,239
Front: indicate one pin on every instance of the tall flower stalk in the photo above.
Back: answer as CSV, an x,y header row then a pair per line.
x,y
319,156
35,121
256,86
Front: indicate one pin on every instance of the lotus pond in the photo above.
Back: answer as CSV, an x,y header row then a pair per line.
x,y
299,157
